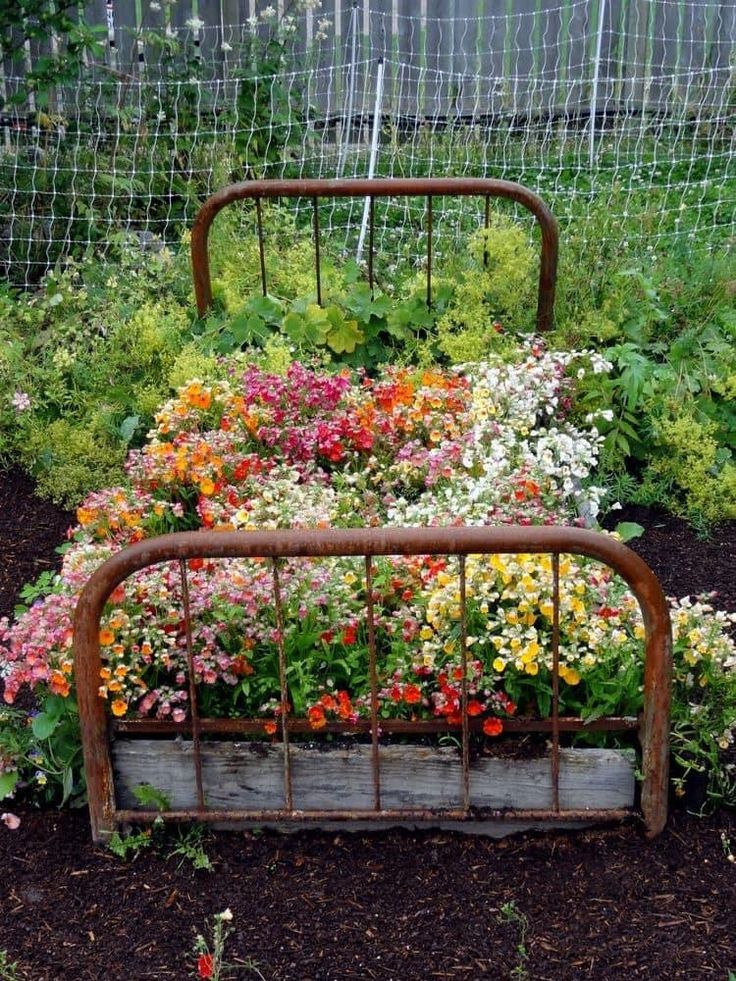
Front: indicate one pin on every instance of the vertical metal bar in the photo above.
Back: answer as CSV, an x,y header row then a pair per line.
x,y
486,226
429,252
315,204
192,686
375,760
371,232
556,681
464,685
261,251
282,684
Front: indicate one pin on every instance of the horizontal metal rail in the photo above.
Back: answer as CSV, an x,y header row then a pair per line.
x,y
370,542
373,188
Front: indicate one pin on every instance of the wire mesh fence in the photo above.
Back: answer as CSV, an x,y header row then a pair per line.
x,y
621,113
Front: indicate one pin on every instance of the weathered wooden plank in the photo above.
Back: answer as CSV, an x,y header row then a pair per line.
x,y
250,775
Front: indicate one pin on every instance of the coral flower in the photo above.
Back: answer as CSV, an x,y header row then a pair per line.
x,y
474,708
269,728
106,636
493,727
119,707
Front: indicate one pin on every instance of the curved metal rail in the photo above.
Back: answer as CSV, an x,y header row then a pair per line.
x,y
460,541
428,187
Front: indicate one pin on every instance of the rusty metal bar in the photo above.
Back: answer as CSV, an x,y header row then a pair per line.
x,y
315,204
261,252
368,814
213,727
373,673
556,681
376,541
464,684
282,684
486,226
381,187
371,233
193,707
429,251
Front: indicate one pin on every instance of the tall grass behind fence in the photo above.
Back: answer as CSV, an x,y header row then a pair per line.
x,y
621,112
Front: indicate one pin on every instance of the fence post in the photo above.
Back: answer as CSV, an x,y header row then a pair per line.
x,y
594,87
374,155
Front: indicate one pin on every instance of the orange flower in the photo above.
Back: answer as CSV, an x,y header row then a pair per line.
x,y
474,708
316,716
493,727
106,636
119,707
59,685
328,702
269,728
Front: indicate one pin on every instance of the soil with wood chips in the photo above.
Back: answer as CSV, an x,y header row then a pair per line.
x,y
603,903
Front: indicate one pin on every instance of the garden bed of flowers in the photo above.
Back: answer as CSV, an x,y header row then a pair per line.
x,y
481,444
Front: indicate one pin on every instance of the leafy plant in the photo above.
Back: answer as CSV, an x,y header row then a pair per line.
x,y
510,914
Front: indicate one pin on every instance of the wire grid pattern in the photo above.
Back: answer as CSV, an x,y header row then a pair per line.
x,y
620,113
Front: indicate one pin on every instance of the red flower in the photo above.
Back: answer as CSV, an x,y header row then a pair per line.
x,y
269,728
350,634
206,966
412,694
493,727
474,708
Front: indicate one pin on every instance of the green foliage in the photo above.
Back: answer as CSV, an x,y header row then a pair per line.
x,y
24,21
41,757
510,914
8,970
494,293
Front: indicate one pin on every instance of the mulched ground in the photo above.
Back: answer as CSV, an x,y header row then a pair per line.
x,y
601,904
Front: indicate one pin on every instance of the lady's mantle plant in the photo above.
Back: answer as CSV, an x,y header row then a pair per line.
x,y
483,444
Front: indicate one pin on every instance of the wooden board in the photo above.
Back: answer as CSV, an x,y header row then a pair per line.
x,y
250,775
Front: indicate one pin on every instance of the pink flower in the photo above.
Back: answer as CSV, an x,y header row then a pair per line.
x,y
11,821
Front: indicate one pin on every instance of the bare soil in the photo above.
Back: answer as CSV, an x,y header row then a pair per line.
x,y
603,904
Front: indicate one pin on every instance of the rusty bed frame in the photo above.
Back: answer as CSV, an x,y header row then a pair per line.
x,y
97,729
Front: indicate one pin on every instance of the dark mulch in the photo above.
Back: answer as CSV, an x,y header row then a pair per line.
x,y
598,904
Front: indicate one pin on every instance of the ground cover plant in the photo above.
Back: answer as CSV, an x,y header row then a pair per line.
x,y
485,443
89,357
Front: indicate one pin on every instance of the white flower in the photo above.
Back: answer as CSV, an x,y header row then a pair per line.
x,y
195,24
226,915
225,46
268,13
21,401
154,6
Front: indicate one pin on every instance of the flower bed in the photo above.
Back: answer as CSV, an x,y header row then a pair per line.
x,y
483,444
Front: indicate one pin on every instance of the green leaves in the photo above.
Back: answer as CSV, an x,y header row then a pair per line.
x,y
8,782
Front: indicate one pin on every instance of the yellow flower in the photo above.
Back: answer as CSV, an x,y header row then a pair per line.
x,y
571,676
349,578
119,707
532,668
426,633
499,664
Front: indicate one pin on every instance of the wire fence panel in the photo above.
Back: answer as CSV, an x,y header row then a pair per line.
x,y
622,113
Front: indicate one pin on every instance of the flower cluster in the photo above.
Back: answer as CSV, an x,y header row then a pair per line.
x,y
481,444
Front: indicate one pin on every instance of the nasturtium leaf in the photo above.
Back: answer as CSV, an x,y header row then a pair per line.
x,y
268,308
628,530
